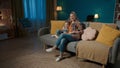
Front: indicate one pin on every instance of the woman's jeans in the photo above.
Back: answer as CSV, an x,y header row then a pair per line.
x,y
59,32
63,40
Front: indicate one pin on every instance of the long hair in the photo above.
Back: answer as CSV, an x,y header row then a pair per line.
x,y
68,20
74,14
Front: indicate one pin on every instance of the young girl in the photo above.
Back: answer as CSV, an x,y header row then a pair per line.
x,y
64,30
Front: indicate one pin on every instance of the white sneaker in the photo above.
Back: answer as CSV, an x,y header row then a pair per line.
x,y
49,50
58,58
56,36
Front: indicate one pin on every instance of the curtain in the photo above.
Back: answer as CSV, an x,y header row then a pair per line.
x,y
50,11
17,12
35,11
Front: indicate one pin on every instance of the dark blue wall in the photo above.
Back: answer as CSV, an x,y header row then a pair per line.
x,y
105,9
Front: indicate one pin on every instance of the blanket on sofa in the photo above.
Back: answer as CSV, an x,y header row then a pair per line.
x,y
92,50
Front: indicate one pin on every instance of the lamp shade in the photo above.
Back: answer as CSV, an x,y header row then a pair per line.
x,y
96,16
59,8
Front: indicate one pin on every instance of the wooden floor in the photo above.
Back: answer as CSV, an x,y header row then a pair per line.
x,y
13,49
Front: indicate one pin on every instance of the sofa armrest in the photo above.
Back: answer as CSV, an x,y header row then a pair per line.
x,y
114,51
43,31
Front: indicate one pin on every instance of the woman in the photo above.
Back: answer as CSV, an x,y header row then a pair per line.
x,y
75,30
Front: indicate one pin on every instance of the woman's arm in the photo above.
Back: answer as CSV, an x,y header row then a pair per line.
x,y
76,32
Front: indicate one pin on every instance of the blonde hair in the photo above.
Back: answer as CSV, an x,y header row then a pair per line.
x,y
74,14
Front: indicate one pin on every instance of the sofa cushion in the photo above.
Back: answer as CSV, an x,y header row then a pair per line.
x,y
48,39
55,25
107,35
72,46
98,25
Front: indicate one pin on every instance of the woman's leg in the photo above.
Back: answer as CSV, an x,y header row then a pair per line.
x,y
59,32
59,41
63,44
66,36
62,47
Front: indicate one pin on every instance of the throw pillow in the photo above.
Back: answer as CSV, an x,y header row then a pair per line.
x,y
98,25
55,25
107,35
89,34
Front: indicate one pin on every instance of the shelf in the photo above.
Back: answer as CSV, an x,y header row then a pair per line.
x,y
117,3
117,11
116,19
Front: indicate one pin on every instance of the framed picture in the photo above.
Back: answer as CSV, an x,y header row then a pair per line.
x,y
118,16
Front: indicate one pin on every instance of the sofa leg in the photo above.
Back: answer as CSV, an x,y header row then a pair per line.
x,y
45,46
